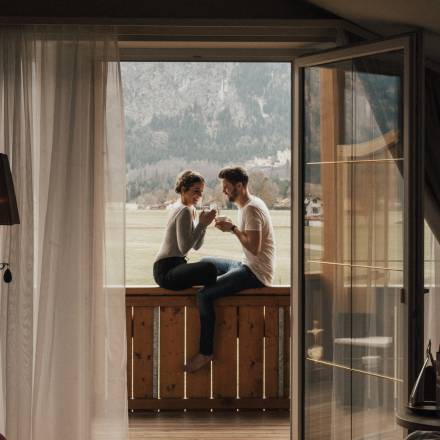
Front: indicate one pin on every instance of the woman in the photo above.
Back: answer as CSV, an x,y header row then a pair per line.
x,y
171,270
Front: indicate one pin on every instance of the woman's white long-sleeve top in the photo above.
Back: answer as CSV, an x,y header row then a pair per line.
x,y
182,234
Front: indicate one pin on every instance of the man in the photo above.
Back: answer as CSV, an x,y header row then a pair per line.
x,y
254,231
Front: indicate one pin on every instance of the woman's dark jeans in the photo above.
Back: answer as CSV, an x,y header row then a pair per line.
x,y
175,273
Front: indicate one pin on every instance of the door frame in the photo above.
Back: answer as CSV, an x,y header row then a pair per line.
x,y
413,145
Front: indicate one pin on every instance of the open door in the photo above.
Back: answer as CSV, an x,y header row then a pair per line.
x,y
357,241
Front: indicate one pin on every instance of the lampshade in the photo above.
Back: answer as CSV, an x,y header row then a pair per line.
x,y
8,202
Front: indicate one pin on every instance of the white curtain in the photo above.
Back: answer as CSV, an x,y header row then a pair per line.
x,y
63,346
16,299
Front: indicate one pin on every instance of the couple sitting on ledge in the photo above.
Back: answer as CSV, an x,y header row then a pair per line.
x,y
218,277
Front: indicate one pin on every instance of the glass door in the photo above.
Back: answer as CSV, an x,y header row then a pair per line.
x,y
355,240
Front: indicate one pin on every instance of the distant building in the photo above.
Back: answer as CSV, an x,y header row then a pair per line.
x,y
313,210
282,204
164,205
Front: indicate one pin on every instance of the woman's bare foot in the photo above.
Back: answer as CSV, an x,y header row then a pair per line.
x,y
198,362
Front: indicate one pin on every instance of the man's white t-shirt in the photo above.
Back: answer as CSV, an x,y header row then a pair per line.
x,y
255,216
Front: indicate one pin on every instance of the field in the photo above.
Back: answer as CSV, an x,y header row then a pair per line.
x,y
144,233
145,229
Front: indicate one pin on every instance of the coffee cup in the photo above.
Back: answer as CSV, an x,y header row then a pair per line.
x,y
221,218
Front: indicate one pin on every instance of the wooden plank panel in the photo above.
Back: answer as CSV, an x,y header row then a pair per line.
x,y
249,300
156,290
272,352
198,384
171,352
203,403
251,332
225,353
142,352
157,301
286,356
129,328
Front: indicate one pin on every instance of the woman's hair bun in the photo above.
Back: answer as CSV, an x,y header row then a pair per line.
x,y
186,179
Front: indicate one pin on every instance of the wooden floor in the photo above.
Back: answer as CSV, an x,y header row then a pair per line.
x,y
273,425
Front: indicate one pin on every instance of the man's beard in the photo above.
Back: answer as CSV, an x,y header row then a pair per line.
x,y
233,196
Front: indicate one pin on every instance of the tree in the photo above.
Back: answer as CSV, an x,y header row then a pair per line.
x,y
263,187
218,197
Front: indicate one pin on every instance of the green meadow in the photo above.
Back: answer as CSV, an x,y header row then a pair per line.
x,y
145,230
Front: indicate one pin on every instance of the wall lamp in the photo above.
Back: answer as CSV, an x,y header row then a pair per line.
x,y
8,205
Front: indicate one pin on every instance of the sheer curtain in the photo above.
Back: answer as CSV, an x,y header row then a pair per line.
x,y
16,299
68,380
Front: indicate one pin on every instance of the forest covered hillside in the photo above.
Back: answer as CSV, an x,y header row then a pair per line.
x,y
204,116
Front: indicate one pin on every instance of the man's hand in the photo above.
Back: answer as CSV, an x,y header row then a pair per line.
x,y
224,225
251,240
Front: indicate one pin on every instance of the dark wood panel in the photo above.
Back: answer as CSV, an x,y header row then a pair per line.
x,y
129,330
171,352
225,353
136,12
143,352
190,301
271,334
179,404
251,332
198,384
156,290
286,356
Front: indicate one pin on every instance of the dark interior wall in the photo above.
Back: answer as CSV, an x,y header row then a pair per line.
x,y
185,9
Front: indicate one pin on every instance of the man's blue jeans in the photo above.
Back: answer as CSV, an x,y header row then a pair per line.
x,y
232,276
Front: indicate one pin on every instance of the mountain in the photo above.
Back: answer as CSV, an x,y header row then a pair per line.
x,y
221,111
203,116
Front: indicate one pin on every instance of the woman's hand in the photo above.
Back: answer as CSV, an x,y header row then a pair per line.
x,y
207,217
